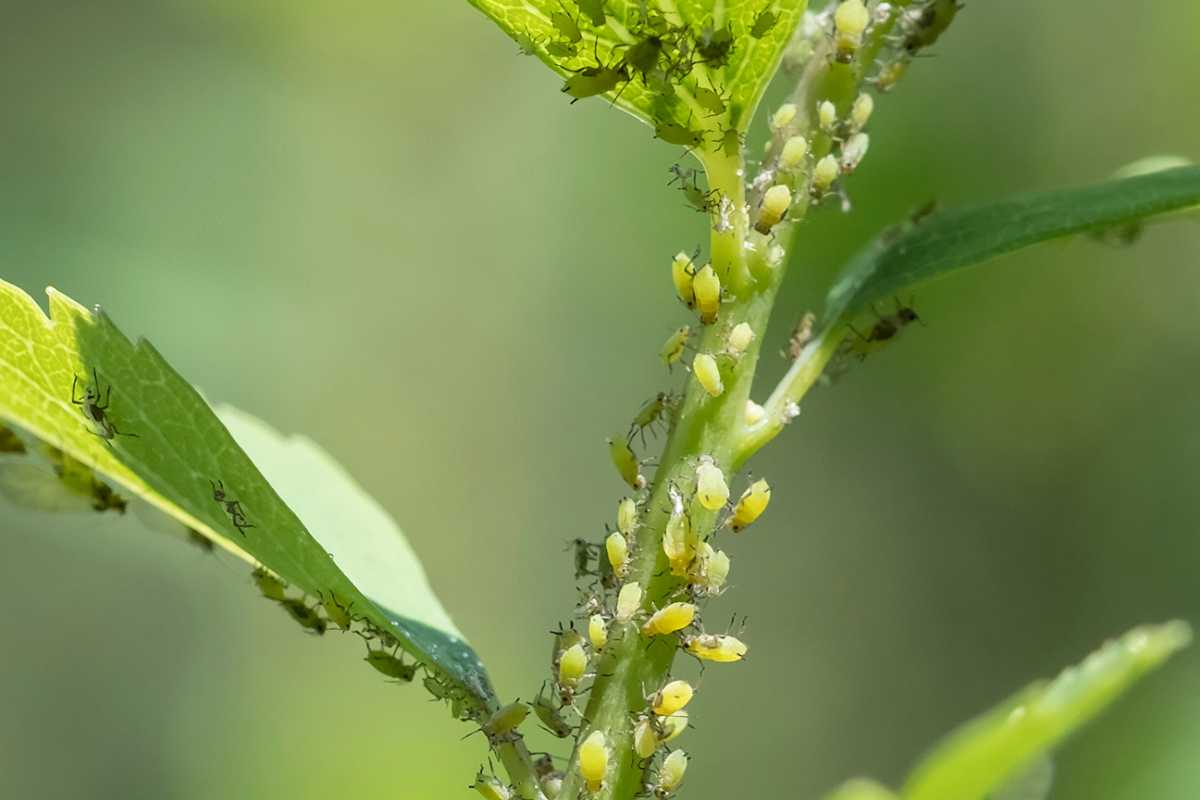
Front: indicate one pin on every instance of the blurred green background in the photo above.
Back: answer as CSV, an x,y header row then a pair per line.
x,y
374,223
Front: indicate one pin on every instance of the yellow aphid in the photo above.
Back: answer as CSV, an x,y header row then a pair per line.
x,y
572,666
850,21
506,720
711,489
890,74
598,632
679,539
626,462
491,788
860,112
617,550
721,648
563,641
645,739
754,413
713,571
783,115
826,115
551,785
683,272
593,760
741,337
674,725
669,619
671,698
627,516
793,153
825,173
705,368
775,203
672,349
707,288
629,600
853,151
670,775
750,505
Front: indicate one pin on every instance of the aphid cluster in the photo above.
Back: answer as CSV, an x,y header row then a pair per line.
x,y
233,508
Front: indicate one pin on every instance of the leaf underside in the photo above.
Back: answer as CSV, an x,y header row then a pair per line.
x,y
181,447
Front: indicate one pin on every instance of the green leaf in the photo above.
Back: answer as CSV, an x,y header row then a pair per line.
x,y
741,80
861,789
172,447
980,756
950,240
1032,784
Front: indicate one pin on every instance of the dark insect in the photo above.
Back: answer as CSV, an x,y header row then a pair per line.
x,y
593,10
583,553
654,414
95,411
566,25
713,46
929,23
886,328
696,197
391,665
307,617
763,24
801,335
592,81
237,514
10,442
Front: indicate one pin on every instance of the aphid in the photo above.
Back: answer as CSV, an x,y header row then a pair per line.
x,y
671,698
572,667
10,442
826,115
390,665
675,133
672,349
105,499
617,549
593,10
626,462
593,760
592,81
337,612
629,600
94,411
237,514
707,288
643,56
307,617
697,198
597,632
566,25
853,152
929,23
860,112
775,203
683,272
627,516
271,587
763,23
850,21
713,572
713,45
884,330
526,44
754,413
824,174
651,415
679,538
721,648
793,153
740,337
783,116
201,541
490,787
670,775
731,142
561,50
582,551
645,738
435,687
711,490
503,721
564,639
705,369
552,785
890,74
750,506
550,715
669,619
712,101
801,335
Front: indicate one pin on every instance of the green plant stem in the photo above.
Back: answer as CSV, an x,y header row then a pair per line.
x,y
518,763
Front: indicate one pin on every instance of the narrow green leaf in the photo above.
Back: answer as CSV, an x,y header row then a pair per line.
x,y
945,241
172,448
981,755
1032,784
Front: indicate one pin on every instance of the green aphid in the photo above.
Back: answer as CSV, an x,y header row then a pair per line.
x,y
731,142
682,135
10,442
763,24
271,587
592,81
652,415
643,56
436,688
626,462
593,10
583,552
930,23
338,612
392,666
562,49
713,46
696,197
105,499
567,27
710,100
551,715
672,349
307,617
201,541
526,44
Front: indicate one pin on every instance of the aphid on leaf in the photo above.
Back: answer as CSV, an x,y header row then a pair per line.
x,y
642,57
391,665
763,23
593,760
504,721
713,45
562,50
750,506
550,715
669,619
592,81
593,10
627,464
95,411
566,25
670,774
672,349
654,414
712,101
675,133
237,514
731,141
671,698
307,617
271,587
337,612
